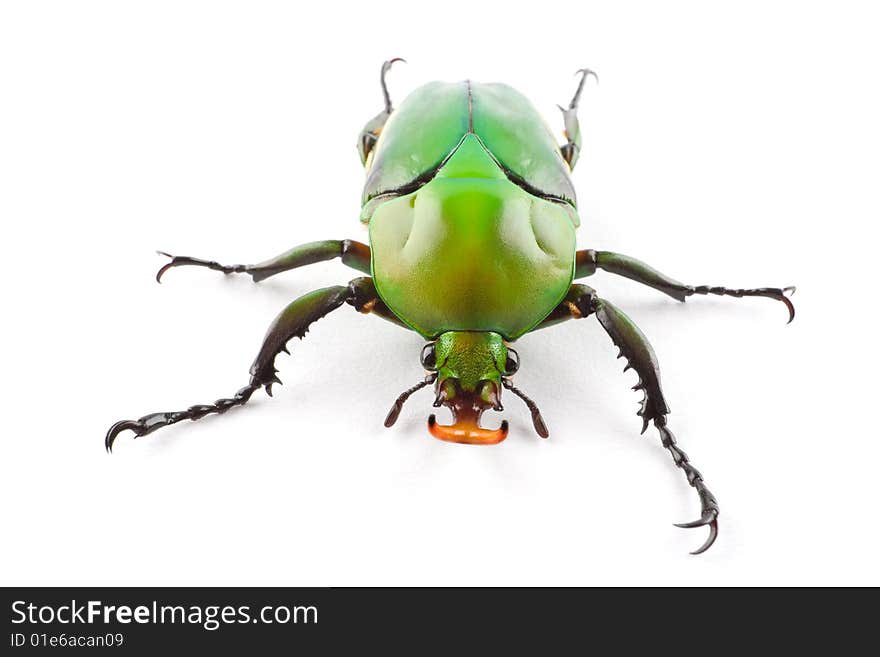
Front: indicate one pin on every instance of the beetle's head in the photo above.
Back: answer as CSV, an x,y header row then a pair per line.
x,y
469,369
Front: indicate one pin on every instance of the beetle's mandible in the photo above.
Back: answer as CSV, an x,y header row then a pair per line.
x,y
472,216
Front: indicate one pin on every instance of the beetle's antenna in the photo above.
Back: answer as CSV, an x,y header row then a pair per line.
x,y
386,66
397,406
537,420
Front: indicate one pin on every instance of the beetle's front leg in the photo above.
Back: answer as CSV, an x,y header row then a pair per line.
x,y
582,301
354,254
588,260
294,321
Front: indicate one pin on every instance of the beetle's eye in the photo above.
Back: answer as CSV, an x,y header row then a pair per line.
x,y
429,357
512,363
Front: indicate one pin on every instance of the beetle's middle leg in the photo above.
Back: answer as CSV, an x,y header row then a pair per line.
x,y
582,301
354,254
588,260
294,321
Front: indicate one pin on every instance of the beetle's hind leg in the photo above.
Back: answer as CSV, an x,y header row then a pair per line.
x,y
588,260
354,254
572,147
582,301
373,128
294,321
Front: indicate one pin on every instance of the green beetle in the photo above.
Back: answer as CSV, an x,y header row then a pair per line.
x,y
472,217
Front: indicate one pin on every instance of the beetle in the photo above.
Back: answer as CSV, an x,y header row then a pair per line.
x,y
472,215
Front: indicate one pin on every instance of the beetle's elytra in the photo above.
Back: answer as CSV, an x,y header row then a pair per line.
x,y
472,217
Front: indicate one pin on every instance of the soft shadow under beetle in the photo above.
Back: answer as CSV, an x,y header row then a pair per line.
x,y
472,216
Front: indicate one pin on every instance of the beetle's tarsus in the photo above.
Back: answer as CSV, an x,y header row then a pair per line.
x,y
179,261
386,66
572,146
703,520
118,428
709,510
584,73
708,519
164,267
150,423
788,292
589,260
780,294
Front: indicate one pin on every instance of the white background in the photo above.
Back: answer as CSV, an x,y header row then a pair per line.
x,y
730,146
